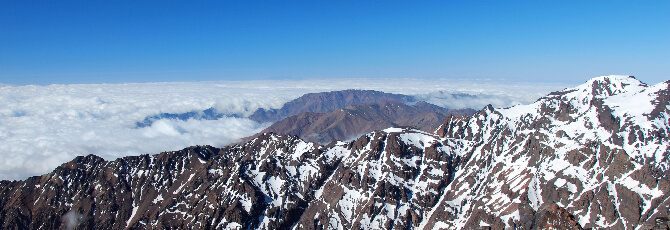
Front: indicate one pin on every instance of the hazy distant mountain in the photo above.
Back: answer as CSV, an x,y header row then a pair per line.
x,y
593,156
325,103
355,120
312,102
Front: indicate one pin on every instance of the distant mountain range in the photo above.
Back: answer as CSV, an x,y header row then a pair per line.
x,y
312,102
326,102
352,121
337,115
593,156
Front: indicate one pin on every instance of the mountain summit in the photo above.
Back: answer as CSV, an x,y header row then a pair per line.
x,y
593,156
600,150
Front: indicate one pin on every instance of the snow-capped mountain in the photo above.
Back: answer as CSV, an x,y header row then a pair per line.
x,y
590,156
599,150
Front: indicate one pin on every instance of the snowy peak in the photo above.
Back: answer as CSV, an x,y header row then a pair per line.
x,y
622,97
601,144
610,85
583,96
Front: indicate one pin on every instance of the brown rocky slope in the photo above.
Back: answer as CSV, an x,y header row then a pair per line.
x,y
355,120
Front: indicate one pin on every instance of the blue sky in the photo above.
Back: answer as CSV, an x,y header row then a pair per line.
x,y
65,42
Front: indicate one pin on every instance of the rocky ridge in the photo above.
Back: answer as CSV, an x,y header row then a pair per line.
x,y
599,150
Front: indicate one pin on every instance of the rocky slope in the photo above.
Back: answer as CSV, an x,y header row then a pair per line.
x,y
594,156
355,120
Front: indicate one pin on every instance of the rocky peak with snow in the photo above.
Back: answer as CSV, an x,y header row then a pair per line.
x,y
605,86
593,156
599,150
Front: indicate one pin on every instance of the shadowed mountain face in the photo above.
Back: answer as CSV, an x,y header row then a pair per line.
x,y
355,120
593,156
325,103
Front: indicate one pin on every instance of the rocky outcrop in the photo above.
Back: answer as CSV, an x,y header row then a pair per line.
x,y
554,217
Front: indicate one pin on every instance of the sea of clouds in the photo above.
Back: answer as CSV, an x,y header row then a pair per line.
x,y
42,127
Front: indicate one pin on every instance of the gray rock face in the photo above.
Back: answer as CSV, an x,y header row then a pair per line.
x,y
595,156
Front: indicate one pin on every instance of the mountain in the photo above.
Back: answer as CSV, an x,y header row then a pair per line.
x,y
313,102
207,114
271,182
354,120
599,150
325,103
593,156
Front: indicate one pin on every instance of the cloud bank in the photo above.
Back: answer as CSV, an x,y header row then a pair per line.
x,y
42,127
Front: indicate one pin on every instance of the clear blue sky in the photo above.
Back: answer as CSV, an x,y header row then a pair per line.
x,y
46,42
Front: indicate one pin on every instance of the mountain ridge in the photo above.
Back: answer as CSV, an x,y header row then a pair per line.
x,y
609,156
592,156
326,102
355,120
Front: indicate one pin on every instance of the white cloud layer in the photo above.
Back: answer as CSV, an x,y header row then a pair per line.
x,y
42,127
